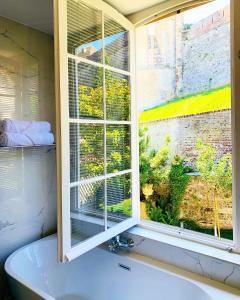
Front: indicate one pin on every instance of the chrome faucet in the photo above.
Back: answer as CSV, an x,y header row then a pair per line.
x,y
119,242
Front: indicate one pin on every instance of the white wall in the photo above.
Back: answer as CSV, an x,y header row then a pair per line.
x,y
27,177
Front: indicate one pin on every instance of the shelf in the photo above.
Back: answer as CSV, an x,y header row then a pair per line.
x,y
27,147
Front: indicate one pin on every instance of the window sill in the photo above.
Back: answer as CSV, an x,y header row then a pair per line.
x,y
218,249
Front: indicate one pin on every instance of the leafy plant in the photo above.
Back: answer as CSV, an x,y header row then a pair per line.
x,y
163,181
178,184
124,207
216,172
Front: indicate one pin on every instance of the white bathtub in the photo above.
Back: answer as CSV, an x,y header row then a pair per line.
x,y
100,275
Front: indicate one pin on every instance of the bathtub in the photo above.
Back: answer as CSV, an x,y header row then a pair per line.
x,y
34,273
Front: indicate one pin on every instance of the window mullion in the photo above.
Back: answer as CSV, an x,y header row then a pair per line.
x,y
235,28
105,126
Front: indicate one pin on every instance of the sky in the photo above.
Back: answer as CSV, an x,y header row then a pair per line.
x,y
98,44
194,15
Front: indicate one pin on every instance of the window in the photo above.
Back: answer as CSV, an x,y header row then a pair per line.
x,y
97,135
184,90
185,121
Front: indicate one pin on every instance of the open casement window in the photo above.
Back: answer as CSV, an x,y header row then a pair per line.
x,y
97,134
97,144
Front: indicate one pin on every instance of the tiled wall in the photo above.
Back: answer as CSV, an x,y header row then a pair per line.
x,y
204,265
27,176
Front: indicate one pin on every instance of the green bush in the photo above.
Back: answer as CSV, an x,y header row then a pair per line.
x,y
216,173
163,181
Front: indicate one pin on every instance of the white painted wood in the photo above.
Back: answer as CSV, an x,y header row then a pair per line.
x,y
97,64
235,39
187,235
93,121
134,130
181,236
62,127
66,252
184,234
99,178
127,7
100,238
105,126
162,9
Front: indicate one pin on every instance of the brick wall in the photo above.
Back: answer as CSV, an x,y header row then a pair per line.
x,y
213,128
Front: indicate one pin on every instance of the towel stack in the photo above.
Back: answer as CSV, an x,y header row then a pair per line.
x,y
15,133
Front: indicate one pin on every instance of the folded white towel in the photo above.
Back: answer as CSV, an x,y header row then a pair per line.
x,y
18,126
10,139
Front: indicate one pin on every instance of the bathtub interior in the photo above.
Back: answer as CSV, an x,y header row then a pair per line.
x,y
97,275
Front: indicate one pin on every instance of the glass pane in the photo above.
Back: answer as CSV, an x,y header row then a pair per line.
x,y
87,210
118,96
86,151
118,148
85,90
119,202
116,42
84,31
184,88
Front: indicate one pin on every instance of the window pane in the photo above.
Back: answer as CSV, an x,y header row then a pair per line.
x,y
117,96
184,88
119,202
84,31
85,90
86,151
87,210
118,148
116,42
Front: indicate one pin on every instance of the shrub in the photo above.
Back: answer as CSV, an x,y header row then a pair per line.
x,y
167,178
216,172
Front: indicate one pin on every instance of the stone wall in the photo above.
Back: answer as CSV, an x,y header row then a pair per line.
x,y
173,62
213,128
206,54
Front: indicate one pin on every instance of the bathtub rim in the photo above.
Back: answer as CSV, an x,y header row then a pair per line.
x,y
16,277
210,286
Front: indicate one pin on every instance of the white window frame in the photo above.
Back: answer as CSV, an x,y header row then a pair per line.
x,y
66,252
187,239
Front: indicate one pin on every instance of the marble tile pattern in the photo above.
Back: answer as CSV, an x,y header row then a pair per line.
x,y
206,266
27,176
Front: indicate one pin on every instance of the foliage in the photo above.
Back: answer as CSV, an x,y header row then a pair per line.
x,y
217,172
90,101
90,95
124,207
144,158
212,100
163,181
178,184
117,136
